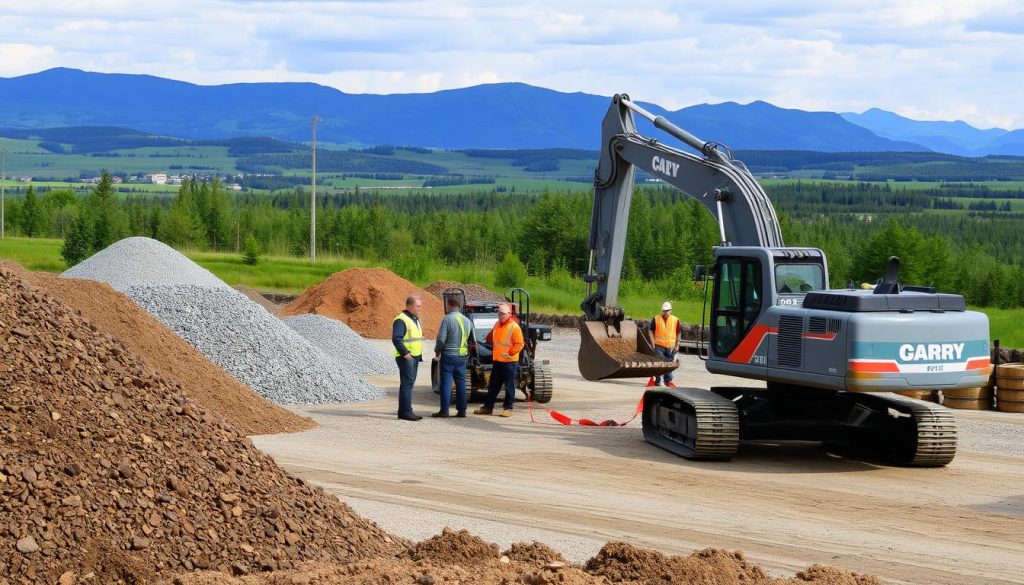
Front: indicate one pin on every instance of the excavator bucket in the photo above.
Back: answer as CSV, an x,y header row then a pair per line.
x,y
630,355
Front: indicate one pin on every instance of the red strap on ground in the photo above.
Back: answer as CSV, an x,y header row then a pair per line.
x,y
562,419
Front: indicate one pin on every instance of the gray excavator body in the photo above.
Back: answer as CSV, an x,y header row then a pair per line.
x,y
831,358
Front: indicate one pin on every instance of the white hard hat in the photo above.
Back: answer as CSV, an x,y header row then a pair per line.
x,y
666,306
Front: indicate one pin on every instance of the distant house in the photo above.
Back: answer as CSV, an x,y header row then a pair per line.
x,y
158,178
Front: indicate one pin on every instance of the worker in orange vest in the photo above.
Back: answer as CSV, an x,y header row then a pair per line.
x,y
507,341
666,331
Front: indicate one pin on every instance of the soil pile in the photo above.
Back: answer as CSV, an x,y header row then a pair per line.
x,y
474,292
367,300
534,552
106,467
163,350
455,548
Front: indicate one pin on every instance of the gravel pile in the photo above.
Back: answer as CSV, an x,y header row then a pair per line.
x,y
341,343
142,262
252,345
233,332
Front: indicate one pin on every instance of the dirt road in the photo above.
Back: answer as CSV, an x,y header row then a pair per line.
x,y
787,506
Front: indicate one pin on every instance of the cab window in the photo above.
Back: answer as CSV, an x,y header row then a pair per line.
x,y
736,302
798,278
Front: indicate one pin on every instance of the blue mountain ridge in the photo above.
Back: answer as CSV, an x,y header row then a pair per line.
x,y
501,115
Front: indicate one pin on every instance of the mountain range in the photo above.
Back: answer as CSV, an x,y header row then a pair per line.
x,y
501,115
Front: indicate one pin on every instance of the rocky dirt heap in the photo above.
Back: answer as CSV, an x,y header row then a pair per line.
x,y
458,557
108,472
474,292
160,348
367,300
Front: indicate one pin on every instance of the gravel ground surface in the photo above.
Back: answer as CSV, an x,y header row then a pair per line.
x,y
341,343
252,345
784,504
142,262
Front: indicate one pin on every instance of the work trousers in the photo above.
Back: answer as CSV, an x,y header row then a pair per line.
x,y
502,374
407,370
453,367
669,355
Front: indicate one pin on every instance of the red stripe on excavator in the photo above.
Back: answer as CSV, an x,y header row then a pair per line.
x,y
875,366
746,349
822,336
978,363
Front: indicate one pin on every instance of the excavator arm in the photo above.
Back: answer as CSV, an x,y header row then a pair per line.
x,y
744,213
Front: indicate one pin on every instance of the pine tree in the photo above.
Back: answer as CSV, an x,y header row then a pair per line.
x,y
78,243
30,214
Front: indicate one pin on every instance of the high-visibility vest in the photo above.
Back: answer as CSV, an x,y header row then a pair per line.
x,y
504,338
464,344
413,338
665,331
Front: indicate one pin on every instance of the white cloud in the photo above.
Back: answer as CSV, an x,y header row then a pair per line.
x,y
942,59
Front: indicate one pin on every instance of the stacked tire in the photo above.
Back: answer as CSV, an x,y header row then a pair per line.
x,y
1010,387
968,398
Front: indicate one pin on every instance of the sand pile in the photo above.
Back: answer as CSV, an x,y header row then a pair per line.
x,y
367,300
161,349
474,292
106,467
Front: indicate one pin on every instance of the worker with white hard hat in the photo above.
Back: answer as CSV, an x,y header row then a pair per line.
x,y
665,331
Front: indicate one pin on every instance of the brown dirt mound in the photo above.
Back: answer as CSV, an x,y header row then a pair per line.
x,y
258,298
474,292
367,300
160,348
106,467
534,553
826,575
453,547
621,562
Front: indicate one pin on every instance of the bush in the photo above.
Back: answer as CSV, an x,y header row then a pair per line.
x,y
511,272
251,250
410,266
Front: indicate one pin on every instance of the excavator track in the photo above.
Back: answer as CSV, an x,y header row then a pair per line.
x,y
691,423
543,385
935,433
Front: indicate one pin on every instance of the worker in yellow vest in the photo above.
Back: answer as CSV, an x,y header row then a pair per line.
x,y
407,337
507,341
666,331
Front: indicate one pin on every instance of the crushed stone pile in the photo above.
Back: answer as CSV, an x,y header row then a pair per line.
x,y
201,380
234,333
474,292
367,300
252,345
109,473
341,343
141,261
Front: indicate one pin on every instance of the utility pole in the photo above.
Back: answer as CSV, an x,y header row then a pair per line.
x,y
3,180
312,207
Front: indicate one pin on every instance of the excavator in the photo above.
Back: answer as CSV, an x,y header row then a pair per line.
x,y
832,359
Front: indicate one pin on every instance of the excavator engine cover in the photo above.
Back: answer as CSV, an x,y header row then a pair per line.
x,y
630,355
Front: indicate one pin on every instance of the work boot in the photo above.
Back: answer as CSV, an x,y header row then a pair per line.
x,y
439,414
412,417
461,414
650,382
506,413
670,383
483,410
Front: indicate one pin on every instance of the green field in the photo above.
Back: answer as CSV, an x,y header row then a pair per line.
x,y
293,275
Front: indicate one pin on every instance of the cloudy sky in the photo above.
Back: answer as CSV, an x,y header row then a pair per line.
x,y
927,59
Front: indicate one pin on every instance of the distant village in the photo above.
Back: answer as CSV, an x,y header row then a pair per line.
x,y
228,181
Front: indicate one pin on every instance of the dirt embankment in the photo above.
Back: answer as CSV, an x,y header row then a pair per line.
x,y
367,300
107,467
158,346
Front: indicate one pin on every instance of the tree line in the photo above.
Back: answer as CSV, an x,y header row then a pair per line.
x,y
669,233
